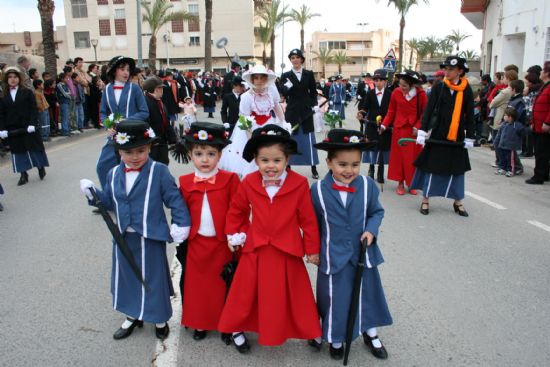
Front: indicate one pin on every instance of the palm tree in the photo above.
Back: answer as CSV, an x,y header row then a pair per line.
x,y
431,45
325,57
445,47
46,9
403,7
208,36
301,17
413,45
274,15
421,52
156,16
265,37
469,54
340,58
456,38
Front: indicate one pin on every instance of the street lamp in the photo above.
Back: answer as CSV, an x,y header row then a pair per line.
x,y
362,25
94,42
167,40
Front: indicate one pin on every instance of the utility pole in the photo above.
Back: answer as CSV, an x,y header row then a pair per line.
x,y
362,25
139,50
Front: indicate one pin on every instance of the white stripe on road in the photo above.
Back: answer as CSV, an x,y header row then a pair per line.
x,y
539,225
485,201
166,354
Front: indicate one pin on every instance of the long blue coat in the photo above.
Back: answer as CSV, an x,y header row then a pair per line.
x,y
141,219
131,105
341,227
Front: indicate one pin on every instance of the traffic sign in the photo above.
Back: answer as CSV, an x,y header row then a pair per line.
x,y
389,64
390,55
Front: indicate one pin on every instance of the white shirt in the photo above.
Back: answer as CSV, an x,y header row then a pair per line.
x,y
206,227
298,73
455,83
13,92
273,190
379,96
411,94
343,194
130,180
118,92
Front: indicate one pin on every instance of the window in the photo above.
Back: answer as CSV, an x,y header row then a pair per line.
x,y
193,8
79,8
120,27
102,2
547,49
118,1
104,27
193,26
332,45
177,26
194,41
120,14
82,39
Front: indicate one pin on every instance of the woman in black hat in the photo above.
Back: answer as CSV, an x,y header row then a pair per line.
x,y
449,116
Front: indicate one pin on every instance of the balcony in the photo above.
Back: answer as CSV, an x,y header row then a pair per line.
x,y
473,11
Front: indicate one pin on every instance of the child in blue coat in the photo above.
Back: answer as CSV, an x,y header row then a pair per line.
x,y
137,191
348,212
508,141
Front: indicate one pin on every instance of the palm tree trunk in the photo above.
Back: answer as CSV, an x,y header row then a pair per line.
x,y
272,55
152,53
302,39
264,56
46,9
208,37
401,31
411,58
339,68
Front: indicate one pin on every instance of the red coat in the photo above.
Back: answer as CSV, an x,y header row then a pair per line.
x,y
278,222
541,109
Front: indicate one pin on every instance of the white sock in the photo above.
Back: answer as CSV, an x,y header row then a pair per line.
x,y
375,342
239,340
318,340
161,325
371,332
127,323
337,345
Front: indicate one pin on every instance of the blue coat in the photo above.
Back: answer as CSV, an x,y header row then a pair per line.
x,y
337,93
510,135
342,226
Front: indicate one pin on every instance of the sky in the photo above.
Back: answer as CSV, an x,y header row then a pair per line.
x,y
438,18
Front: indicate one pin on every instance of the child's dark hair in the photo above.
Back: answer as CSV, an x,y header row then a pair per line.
x,y
517,85
511,111
48,83
286,148
74,75
332,152
36,83
191,146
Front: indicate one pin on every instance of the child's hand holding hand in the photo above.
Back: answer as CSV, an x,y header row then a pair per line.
x,y
236,240
369,236
313,259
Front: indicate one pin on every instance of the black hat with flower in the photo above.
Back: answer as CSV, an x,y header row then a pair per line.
x,y
120,60
298,53
132,134
269,133
207,133
344,139
455,61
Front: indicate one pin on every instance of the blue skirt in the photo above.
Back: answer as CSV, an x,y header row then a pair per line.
x,y
334,298
376,156
308,154
107,160
129,297
22,162
341,108
433,185
209,109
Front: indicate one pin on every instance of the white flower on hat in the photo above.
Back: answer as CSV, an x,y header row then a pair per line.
x,y
151,133
354,139
271,132
203,135
453,62
466,65
122,138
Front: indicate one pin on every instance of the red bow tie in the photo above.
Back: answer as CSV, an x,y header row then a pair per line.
x,y
117,87
210,180
379,93
343,188
267,183
128,169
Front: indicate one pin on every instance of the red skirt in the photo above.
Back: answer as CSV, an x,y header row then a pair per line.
x,y
271,295
204,288
401,166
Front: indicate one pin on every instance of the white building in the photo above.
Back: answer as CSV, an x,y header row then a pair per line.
x,y
514,32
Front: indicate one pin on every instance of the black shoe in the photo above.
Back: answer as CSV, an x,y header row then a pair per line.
x,y
379,353
518,172
534,181
425,208
336,353
459,209
96,211
371,171
23,179
41,173
1,207
210,116
244,347
315,344
226,338
199,334
162,332
122,333
314,173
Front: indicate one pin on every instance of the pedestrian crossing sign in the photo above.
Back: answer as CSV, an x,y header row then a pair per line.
x,y
389,65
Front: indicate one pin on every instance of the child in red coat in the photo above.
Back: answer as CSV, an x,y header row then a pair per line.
x,y
207,193
271,293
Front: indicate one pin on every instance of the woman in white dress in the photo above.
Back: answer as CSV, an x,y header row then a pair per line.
x,y
259,104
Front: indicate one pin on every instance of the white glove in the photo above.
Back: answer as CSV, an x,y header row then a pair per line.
x,y
288,84
359,97
315,109
237,239
179,234
421,137
287,126
468,143
4,134
226,125
85,186
31,129
330,103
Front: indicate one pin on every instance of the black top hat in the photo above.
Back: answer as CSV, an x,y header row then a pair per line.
x,y
367,75
237,80
344,139
117,60
338,77
133,133
235,64
269,133
457,61
297,52
380,74
409,75
207,133
151,83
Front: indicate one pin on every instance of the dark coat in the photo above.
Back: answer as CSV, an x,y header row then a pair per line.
x,y
17,116
230,110
447,159
510,135
227,82
168,98
209,95
185,89
369,104
300,98
164,132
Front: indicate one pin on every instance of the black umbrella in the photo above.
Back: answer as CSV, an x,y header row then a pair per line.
x,y
308,115
352,315
228,272
404,141
119,239
181,255
179,151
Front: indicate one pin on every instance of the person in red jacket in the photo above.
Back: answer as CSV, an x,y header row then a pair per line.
x,y
207,193
271,292
541,130
404,113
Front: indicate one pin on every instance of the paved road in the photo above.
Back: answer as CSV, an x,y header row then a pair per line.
x,y
463,291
